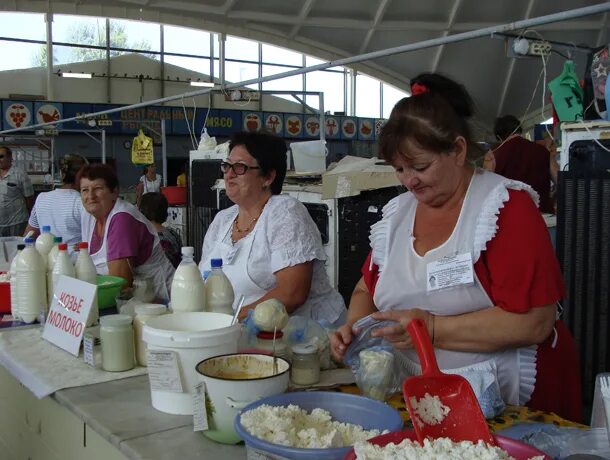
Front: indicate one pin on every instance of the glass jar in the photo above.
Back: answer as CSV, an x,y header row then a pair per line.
x,y
116,334
305,368
264,344
143,313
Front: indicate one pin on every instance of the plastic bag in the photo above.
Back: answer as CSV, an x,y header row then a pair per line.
x,y
302,330
375,363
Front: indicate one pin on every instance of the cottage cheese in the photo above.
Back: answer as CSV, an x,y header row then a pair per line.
x,y
294,427
435,449
429,409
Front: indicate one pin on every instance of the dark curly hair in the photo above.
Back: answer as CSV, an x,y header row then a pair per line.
x,y
69,167
154,206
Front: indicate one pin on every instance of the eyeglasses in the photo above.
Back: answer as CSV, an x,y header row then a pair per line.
x,y
238,168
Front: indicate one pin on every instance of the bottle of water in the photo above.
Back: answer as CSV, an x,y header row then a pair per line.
x,y
63,266
51,259
219,293
13,279
31,283
85,271
44,242
188,290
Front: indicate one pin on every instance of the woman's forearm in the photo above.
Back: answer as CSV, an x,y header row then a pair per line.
x,y
361,303
493,329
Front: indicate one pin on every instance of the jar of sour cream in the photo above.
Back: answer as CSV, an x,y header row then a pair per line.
x,y
116,335
305,368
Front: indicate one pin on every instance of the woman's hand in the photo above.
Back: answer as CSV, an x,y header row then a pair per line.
x,y
339,341
397,333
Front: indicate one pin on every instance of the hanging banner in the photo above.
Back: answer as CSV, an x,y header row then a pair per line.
x,y
142,150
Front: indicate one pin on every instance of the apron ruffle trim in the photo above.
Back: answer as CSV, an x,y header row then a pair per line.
x,y
379,233
487,220
527,368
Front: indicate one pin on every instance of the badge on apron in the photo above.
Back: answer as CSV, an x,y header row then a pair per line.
x,y
449,272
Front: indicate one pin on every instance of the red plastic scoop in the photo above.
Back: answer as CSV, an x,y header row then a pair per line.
x,y
464,420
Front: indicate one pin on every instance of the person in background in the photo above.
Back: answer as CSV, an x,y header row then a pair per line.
x,y
268,242
149,182
154,207
496,313
16,196
523,160
122,242
61,208
181,179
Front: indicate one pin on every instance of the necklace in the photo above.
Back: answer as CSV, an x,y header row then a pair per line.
x,y
248,228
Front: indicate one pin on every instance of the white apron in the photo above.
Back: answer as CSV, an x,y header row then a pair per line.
x,y
157,266
403,284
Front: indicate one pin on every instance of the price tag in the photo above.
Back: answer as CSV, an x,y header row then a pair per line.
x,y
200,413
88,344
163,371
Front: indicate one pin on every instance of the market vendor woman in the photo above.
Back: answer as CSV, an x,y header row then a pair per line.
x,y
122,242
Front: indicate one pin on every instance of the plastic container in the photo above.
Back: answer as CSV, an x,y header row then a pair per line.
x,y
45,241
219,295
305,365
518,450
63,266
309,156
193,337
5,296
85,271
175,195
13,277
108,288
31,283
343,407
144,312
116,335
188,290
51,259
264,344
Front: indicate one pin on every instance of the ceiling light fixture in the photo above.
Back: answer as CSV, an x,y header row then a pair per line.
x,y
206,84
76,75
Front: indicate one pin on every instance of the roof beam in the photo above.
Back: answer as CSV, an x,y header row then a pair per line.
x,y
381,9
450,22
305,10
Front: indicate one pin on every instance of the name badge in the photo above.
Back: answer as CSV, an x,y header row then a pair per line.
x,y
450,271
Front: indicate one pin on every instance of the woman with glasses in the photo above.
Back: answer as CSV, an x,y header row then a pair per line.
x,y
269,245
122,242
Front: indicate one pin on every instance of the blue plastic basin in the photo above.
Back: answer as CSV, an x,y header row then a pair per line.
x,y
343,407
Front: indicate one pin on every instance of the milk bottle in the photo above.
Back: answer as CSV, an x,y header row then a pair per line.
x,y
85,271
63,266
44,242
219,294
188,290
51,259
31,283
13,279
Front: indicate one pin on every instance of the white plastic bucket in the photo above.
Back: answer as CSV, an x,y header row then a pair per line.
x,y
193,336
309,156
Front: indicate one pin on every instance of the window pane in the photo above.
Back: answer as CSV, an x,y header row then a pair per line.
x,y
294,83
22,25
331,84
186,41
278,55
239,48
309,61
143,36
240,71
22,55
391,96
68,54
80,30
198,65
367,96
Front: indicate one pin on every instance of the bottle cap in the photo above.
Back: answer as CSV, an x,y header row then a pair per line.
x,y
63,246
83,245
268,335
29,240
20,247
188,251
115,320
58,239
46,228
304,349
216,263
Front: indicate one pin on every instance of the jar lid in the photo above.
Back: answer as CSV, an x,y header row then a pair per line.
x,y
151,309
115,320
304,349
268,335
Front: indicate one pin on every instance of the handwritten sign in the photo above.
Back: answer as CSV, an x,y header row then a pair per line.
x,y
65,324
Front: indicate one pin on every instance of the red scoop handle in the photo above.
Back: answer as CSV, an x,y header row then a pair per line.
x,y
418,331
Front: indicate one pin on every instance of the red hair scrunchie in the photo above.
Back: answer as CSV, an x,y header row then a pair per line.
x,y
418,88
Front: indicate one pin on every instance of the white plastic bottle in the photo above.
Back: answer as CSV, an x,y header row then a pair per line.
x,y
31,283
13,279
188,290
85,271
44,242
63,266
51,259
219,293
